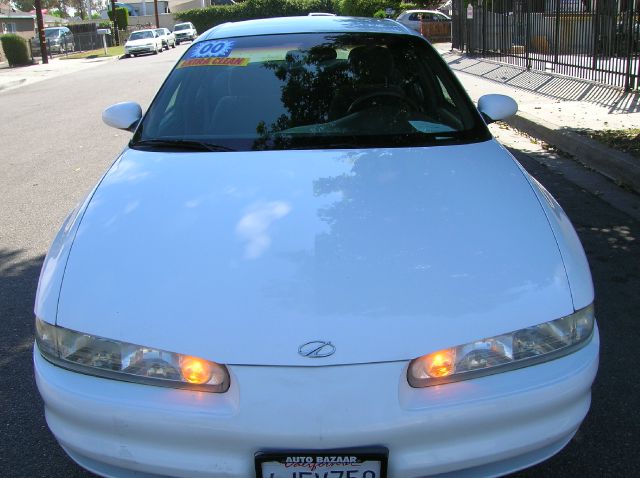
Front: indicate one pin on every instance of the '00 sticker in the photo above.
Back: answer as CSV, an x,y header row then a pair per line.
x,y
212,49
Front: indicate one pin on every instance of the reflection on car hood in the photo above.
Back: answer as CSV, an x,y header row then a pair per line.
x,y
243,257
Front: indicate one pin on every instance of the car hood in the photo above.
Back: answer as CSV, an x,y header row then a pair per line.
x,y
141,42
242,257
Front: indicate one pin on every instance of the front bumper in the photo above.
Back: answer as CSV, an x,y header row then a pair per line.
x,y
52,48
134,50
484,427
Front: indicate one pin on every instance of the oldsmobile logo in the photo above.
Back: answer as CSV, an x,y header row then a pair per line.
x,y
316,349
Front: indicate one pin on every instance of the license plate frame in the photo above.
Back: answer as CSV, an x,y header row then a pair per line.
x,y
362,455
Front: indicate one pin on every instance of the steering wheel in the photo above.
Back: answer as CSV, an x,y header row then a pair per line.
x,y
358,103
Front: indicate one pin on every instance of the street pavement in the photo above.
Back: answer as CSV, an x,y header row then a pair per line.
x,y
26,75
58,148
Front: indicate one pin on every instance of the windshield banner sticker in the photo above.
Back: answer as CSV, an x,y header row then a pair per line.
x,y
213,62
212,49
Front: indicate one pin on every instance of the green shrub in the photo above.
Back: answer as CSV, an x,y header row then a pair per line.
x,y
205,18
122,16
380,14
15,49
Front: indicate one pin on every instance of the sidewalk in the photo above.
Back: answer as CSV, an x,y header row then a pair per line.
x,y
25,75
553,109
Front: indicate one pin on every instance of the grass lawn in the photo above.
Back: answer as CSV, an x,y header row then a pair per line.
x,y
111,51
626,140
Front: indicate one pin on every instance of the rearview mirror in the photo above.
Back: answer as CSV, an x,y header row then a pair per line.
x,y
497,107
123,115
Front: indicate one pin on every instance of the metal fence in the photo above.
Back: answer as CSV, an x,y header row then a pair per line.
x,y
74,43
598,40
91,41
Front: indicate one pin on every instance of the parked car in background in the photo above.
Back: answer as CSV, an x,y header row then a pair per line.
x,y
313,259
413,18
184,31
59,40
143,41
167,37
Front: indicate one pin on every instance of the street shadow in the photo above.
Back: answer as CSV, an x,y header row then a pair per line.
x,y
611,240
548,84
27,447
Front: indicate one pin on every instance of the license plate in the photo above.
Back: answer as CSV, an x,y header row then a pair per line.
x,y
325,464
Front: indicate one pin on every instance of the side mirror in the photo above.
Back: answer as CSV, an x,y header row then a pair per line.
x,y
123,115
497,107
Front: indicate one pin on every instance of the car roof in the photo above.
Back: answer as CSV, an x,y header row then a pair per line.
x,y
306,24
423,11
145,30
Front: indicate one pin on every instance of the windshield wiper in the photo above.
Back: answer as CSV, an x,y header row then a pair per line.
x,y
181,144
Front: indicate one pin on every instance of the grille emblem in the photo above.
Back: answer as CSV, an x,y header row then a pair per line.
x,y
316,349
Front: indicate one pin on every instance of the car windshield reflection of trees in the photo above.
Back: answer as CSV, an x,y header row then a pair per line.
x,y
365,101
322,91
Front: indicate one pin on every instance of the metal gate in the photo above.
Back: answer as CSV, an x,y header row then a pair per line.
x,y
598,40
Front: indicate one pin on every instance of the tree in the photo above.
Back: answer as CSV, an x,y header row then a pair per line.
x,y
429,4
24,5
80,7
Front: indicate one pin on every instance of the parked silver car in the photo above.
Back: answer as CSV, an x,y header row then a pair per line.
x,y
413,18
59,40
185,31
167,37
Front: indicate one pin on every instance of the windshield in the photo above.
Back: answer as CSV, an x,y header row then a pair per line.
x,y
160,31
347,90
140,35
182,26
56,32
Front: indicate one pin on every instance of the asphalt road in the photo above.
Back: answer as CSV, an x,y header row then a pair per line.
x,y
55,147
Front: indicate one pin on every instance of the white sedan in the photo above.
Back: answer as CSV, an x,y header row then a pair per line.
x,y
314,260
167,37
143,41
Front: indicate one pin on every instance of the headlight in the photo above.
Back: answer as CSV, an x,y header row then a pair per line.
x,y
517,349
128,362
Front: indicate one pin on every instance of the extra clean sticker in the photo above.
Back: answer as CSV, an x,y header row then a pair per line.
x,y
213,62
212,49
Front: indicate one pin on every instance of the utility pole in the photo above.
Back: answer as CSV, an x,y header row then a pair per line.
x,y
43,40
115,21
155,7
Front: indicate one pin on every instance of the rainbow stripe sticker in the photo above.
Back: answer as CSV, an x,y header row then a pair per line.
x,y
213,62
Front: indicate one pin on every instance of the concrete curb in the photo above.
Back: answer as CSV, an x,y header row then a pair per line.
x,y
11,84
620,167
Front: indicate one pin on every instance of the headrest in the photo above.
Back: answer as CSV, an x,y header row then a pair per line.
x,y
372,64
321,54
